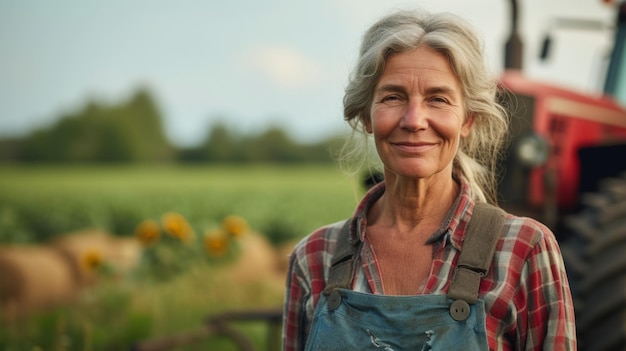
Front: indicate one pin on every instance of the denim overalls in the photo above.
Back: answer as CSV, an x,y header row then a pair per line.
x,y
349,320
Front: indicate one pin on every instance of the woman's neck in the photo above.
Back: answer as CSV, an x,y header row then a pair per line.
x,y
411,203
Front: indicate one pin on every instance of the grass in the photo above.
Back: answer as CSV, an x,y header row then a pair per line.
x,y
115,315
38,203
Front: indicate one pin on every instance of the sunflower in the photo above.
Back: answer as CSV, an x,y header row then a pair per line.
x,y
148,232
216,242
91,259
235,225
177,226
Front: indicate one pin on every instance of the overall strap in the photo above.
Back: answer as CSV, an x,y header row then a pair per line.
x,y
344,261
479,245
476,256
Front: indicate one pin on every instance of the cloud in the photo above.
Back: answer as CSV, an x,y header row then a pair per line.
x,y
284,66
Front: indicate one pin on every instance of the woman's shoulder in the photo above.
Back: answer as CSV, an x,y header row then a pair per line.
x,y
321,241
312,256
526,231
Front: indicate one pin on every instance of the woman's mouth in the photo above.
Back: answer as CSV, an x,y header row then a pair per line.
x,y
414,147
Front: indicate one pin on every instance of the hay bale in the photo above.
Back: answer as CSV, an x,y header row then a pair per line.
x,y
33,277
256,260
283,253
87,249
123,254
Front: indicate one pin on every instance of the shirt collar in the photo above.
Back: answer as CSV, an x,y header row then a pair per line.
x,y
452,227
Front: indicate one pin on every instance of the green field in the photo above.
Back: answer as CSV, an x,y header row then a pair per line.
x,y
38,204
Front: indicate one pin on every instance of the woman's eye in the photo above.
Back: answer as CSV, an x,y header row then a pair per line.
x,y
439,99
390,98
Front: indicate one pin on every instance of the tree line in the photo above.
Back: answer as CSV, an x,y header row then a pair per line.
x,y
132,131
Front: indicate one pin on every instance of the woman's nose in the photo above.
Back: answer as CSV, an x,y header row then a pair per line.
x,y
415,117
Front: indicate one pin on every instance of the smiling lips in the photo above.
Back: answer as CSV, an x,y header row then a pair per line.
x,y
413,146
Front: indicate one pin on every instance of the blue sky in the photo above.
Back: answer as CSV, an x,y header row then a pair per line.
x,y
250,64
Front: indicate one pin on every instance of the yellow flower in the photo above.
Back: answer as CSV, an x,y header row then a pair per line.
x,y
148,232
91,259
177,226
216,242
235,225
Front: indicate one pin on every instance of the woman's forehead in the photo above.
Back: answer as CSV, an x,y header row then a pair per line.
x,y
423,66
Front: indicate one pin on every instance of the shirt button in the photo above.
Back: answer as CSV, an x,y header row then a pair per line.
x,y
459,310
334,300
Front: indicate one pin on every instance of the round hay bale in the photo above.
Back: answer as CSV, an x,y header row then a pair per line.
x,y
283,254
32,277
123,254
82,250
256,261
88,249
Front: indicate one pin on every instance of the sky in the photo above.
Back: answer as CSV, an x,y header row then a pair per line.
x,y
248,64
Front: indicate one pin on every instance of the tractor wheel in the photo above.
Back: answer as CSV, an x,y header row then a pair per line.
x,y
595,258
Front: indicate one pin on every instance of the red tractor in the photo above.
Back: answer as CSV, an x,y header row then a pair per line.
x,y
566,165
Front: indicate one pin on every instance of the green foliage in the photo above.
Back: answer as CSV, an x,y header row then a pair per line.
x,y
174,246
167,258
279,231
132,132
221,145
128,132
103,317
38,203
273,145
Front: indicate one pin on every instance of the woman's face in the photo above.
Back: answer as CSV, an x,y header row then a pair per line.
x,y
418,115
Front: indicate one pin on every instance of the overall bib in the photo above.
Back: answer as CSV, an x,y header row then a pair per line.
x,y
349,320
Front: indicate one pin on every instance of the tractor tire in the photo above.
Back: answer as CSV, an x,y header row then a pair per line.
x,y
595,259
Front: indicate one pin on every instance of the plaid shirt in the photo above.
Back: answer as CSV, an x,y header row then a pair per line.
x,y
526,292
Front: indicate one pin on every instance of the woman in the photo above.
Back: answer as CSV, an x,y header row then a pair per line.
x,y
422,91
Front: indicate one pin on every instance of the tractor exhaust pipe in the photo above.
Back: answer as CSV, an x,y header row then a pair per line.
x,y
513,49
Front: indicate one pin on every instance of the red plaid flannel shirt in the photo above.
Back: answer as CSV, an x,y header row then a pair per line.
x,y
526,292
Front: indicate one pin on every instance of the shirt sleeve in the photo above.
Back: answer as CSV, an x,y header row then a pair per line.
x,y
294,313
550,322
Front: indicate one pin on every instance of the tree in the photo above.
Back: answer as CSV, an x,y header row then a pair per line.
x,y
220,145
129,132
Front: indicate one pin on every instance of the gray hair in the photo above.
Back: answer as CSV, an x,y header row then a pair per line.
x,y
454,38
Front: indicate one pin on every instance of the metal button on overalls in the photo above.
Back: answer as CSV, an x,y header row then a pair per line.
x,y
459,310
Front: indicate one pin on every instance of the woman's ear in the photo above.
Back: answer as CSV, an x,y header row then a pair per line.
x,y
467,125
